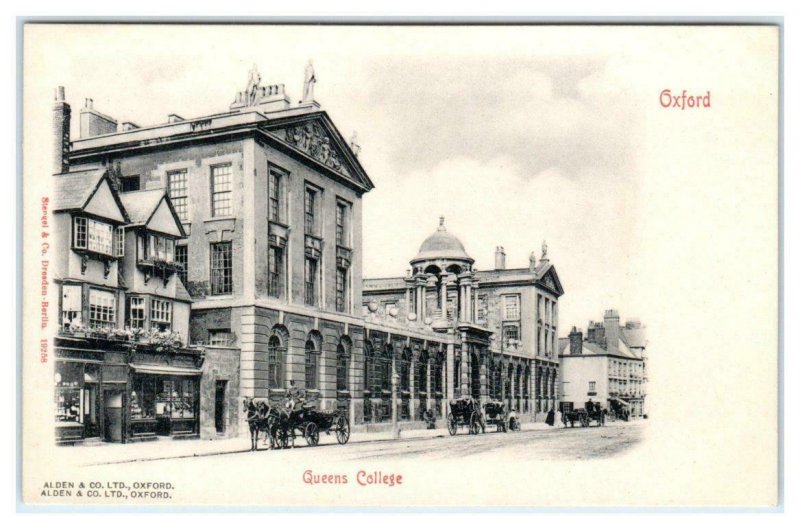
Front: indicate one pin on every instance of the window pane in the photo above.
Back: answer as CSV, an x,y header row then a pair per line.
x,y
275,273
178,191
221,191
102,309
71,305
221,268
182,258
136,313
310,211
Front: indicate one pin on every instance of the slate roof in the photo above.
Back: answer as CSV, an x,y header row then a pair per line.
x,y
634,337
140,205
181,294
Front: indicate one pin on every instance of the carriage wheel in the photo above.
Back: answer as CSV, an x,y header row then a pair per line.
x,y
311,433
451,424
342,430
474,424
585,421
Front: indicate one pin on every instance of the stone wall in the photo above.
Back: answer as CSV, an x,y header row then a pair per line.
x,y
221,364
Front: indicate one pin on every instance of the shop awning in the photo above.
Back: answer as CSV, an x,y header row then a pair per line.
x,y
624,403
166,370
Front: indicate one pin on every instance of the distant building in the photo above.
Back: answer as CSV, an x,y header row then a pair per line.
x,y
502,323
608,365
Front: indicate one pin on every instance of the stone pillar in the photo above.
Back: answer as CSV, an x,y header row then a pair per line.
x,y
503,373
484,377
443,295
450,372
413,390
466,370
468,303
428,385
514,386
408,300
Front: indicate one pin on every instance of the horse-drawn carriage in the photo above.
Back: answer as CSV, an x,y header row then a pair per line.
x,y
585,416
282,424
465,412
494,413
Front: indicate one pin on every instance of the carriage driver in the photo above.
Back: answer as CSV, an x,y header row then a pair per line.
x,y
589,406
292,396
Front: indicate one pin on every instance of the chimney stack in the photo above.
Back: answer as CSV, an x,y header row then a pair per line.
x,y
61,121
500,258
93,123
611,325
575,342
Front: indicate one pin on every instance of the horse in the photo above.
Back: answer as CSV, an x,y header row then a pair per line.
x,y
256,413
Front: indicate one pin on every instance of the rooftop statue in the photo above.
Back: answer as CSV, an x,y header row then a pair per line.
x,y
308,84
253,84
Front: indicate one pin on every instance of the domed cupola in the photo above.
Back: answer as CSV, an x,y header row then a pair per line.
x,y
442,249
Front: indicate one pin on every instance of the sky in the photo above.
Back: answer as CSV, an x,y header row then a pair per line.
x,y
515,137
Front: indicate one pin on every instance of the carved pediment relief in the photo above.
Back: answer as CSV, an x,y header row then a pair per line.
x,y
312,139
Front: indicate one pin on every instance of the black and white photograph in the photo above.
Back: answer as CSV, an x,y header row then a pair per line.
x,y
359,265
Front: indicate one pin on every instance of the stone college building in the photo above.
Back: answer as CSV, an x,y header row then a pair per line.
x,y
214,258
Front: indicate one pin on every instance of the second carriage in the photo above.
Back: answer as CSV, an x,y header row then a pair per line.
x,y
308,422
465,412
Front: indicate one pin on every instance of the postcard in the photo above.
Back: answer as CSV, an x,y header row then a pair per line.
x,y
400,266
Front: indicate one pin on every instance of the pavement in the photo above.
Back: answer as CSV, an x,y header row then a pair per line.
x,y
166,448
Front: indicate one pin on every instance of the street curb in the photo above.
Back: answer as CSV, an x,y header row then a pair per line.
x,y
241,451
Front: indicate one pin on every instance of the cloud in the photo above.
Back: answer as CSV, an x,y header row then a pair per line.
x,y
542,113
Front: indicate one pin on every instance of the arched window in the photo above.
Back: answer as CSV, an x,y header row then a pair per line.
x,y
405,371
438,368
342,365
369,367
275,354
421,375
312,363
386,369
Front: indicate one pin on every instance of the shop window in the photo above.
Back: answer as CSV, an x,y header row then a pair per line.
x,y
143,397
221,191
71,306
160,314
175,398
136,314
221,268
68,385
102,309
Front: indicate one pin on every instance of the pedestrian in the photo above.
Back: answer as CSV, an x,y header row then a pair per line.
x,y
551,418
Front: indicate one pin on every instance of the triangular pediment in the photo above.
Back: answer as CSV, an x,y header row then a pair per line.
x,y
319,139
551,281
163,220
103,204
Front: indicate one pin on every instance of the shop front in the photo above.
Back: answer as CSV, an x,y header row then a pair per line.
x,y
122,392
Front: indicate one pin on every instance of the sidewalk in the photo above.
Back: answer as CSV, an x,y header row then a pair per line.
x,y
115,453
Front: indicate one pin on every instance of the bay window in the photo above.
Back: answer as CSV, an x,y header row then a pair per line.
x,y
160,314
71,306
96,236
102,309
136,312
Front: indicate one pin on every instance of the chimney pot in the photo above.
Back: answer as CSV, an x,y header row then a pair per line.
x,y
500,258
